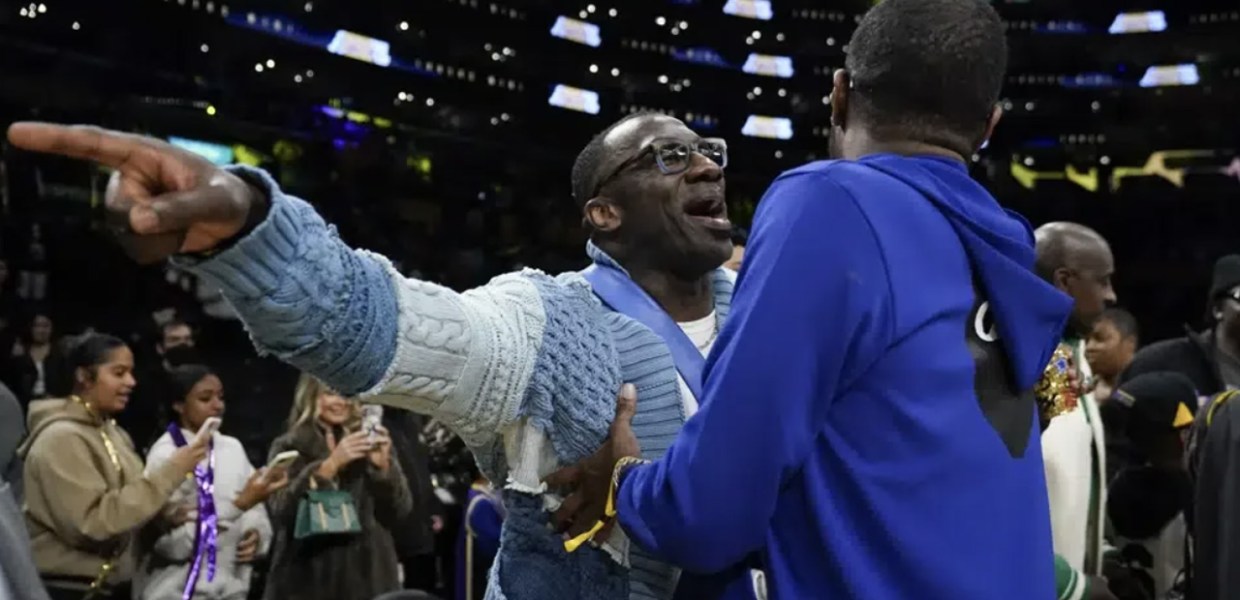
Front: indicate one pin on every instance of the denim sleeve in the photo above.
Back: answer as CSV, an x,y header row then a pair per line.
x,y
348,317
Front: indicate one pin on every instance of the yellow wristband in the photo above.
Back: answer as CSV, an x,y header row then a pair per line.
x,y
609,511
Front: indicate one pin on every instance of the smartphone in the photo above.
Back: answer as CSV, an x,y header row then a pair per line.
x,y
283,460
209,427
372,416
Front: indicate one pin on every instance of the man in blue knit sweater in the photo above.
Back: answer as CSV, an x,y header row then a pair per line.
x,y
523,368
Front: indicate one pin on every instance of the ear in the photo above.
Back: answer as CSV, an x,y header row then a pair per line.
x,y
603,215
839,98
178,408
1061,278
996,113
83,376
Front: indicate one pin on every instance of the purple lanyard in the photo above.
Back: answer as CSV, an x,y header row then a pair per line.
x,y
205,539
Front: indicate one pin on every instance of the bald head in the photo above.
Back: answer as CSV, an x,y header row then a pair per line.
x,y
1078,261
1063,244
612,146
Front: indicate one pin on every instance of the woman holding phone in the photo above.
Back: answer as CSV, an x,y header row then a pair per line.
x,y
335,452
86,493
242,529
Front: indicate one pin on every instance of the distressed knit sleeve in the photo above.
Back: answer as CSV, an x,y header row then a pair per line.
x,y
348,317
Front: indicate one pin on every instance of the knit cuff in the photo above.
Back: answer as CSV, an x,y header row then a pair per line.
x,y
253,266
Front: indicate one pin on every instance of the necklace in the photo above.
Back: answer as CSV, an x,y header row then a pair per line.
x,y
107,441
713,334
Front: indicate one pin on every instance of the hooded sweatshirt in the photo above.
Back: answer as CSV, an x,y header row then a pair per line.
x,y
82,511
867,429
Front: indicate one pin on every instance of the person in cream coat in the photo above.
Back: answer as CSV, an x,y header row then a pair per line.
x,y
244,529
1078,261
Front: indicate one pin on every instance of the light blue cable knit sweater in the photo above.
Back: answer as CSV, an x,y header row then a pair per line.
x,y
526,356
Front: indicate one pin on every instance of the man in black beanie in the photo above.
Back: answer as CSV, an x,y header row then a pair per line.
x,y
1211,358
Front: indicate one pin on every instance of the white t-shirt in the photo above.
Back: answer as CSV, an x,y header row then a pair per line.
x,y
702,333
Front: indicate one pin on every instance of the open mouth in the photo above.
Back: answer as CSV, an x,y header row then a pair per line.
x,y
711,212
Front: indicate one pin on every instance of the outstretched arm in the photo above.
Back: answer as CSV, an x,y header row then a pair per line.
x,y
811,306
341,314
348,317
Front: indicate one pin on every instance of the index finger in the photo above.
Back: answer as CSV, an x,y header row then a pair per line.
x,y
85,142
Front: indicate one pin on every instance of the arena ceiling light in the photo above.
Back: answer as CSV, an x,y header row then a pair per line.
x,y
578,31
1139,22
769,65
361,47
1170,75
572,98
774,128
749,9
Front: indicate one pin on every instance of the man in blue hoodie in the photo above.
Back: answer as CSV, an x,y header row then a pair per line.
x,y
868,429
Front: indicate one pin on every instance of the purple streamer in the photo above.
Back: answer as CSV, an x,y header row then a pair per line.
x,y
207,535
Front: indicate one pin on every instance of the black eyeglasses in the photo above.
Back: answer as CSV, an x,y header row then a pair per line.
x,y
672,157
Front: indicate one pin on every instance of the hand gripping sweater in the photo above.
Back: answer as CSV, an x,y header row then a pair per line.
x,y
525,369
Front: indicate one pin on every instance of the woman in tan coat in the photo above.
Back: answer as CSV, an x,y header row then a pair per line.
x,y
86,495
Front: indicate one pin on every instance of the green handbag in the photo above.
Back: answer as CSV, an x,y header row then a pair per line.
x,y
326,512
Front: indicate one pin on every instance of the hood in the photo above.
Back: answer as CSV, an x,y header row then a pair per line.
x,y
45,412
1030,314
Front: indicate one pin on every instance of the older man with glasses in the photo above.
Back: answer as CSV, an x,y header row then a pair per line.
x,y
524,369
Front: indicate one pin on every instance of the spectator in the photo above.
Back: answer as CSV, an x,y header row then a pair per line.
x,y
1211,359
1214,468
415,536
1147,499
12,432
19,580
33,280
335,454
244,532
141,418
173,334
1109,349
35,360
8,297
479,538
86,493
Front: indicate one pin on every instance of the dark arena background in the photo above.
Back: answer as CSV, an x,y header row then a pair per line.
x,y
441,133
